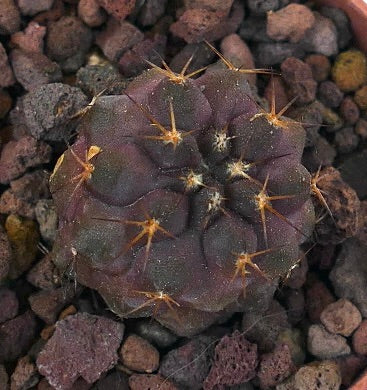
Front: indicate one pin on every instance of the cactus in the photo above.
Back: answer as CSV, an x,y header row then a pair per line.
x,y
182,199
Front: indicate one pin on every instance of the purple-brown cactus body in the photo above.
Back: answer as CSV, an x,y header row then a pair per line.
x,y
182,200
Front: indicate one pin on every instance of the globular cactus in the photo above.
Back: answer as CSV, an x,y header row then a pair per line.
x,y
182,199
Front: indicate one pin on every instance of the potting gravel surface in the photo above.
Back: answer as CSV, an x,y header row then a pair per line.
x,y
56,56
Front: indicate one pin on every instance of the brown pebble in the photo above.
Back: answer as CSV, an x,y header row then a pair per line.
x,y
9,17
290,23
298,76
31,39
47,332
150,381
33,7
91,13
138,354
349,111
320,66
341,317
25,375
359,339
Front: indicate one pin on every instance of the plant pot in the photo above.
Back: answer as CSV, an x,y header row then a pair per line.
x,y
357,12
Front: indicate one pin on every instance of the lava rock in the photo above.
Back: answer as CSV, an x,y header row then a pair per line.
x,y
32,69
270,54
82,345
298,76
325,345
360,339
320,66
25,375
6,77
341,317
346,140
31,39
5,254
341,22
350,366
322,38
329,94
275,366
16,336
151,11
9,304
91,13
290,23
235,362
30,8
149,381
43,274
49,108
9,17
119,9
187,366
117,38
350,112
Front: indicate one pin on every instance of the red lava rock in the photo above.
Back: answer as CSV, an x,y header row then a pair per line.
x,y
119,9
48,110
237,51
150,381
318,297
187,366
151,11
9,17
23,194
67,42
195,25
341,317
235,362
320,66
32,69
329,94
47,304
360,339
3,378
325,345
298,76
17,156
290,23
54,14
117,38
91,13
350,366
138,354
31,39
44,274
133,62
6,75
322,38
16,336
275,366
264,328
34,7
25,375
281,97
349,111
9,304
82,345
5,254
344,204
221,6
